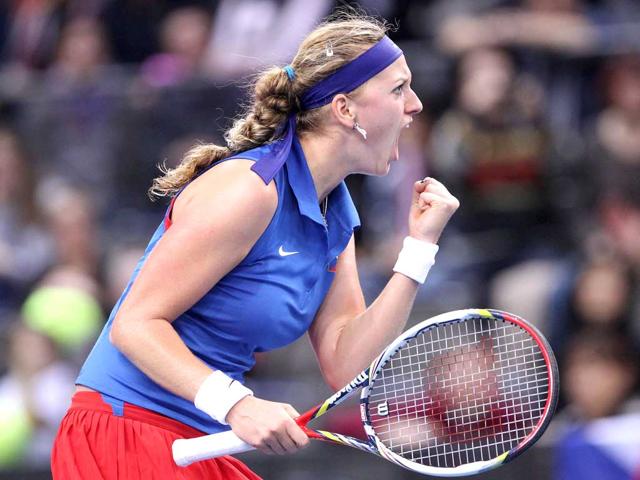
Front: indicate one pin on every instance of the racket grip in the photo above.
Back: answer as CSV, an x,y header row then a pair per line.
x,y
187,451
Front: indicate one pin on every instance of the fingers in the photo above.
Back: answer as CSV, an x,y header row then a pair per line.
x,y
432,208
293,413
292,438
269,426
430,191
289,441
297,435
427,199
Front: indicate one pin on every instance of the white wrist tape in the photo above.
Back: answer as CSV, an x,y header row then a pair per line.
x,y
218,394
416,259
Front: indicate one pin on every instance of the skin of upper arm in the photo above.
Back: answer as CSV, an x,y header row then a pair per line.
x,y
344,301
216,221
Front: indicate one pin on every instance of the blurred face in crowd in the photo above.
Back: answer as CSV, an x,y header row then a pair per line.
x,y
82,47
601,294
72,222
624,86
29,351
185,32
621,220
596,384
485,81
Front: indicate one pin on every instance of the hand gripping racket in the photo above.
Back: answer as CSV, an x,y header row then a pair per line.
x,y
458,394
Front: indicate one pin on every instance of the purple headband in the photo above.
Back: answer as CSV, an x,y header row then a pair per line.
x,y
350,76
344,80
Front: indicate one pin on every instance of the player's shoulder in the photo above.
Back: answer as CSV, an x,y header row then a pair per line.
x,y
234,177
232,186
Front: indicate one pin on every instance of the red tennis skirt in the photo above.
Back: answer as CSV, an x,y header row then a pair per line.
x,y
94,444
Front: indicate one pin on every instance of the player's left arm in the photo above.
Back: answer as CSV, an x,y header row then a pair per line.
x,y
346,334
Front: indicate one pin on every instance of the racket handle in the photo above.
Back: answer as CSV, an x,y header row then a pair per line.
x,y
187,451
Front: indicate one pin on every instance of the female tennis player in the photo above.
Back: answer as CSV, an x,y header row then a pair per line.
x,y
256,249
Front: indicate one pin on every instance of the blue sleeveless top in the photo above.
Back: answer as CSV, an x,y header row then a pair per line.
x,y
265,302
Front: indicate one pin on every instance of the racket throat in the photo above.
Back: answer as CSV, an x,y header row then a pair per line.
x,y
339,439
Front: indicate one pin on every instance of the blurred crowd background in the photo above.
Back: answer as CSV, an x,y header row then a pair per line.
x,y
532,118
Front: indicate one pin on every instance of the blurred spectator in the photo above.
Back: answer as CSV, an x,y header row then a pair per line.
x,y
619,211
71,218
34,395
184,34
600,372
31,31
556,42
242,28
598,434
133,26
559,25
76,117
597,294
613,142
25,250
493,151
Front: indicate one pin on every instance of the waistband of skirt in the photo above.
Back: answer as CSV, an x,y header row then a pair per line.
x,y
94,401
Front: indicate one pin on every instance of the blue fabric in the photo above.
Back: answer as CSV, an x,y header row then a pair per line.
x,y
265,302
117,406
577,458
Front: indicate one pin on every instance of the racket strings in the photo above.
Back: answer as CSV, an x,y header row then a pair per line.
x,y
460,392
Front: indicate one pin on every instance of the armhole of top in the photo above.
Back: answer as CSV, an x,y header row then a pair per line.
x,y
167,217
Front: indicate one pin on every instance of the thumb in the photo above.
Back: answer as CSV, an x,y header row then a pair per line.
x,y
293,413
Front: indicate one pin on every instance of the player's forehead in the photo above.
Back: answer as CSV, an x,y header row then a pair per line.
x,y
392,76
394,72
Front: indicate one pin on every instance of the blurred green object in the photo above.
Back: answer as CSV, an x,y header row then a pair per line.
x,y
15,432
69,316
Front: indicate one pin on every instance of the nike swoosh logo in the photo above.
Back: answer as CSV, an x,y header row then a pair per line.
x,y
282,253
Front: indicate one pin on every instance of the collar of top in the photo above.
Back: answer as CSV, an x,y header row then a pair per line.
x,y
304,190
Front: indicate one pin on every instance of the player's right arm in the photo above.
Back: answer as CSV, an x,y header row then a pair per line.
x,y
205,241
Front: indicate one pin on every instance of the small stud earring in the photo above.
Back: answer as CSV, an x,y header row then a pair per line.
x,y
360,130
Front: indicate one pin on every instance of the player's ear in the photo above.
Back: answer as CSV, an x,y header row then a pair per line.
x,y
344,110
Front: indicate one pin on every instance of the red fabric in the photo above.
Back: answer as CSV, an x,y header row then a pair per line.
x,y
167,217
94,444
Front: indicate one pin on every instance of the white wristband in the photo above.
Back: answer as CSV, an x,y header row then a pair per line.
x,y
416,259
218,394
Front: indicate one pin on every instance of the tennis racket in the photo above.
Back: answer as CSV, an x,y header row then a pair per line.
x,y
457,394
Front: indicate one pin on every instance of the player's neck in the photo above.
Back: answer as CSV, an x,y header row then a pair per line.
x,y
326,162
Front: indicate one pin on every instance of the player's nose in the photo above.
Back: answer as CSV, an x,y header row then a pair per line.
x,y
413,104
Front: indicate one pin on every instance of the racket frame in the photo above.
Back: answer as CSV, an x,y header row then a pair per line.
x,y
480,466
